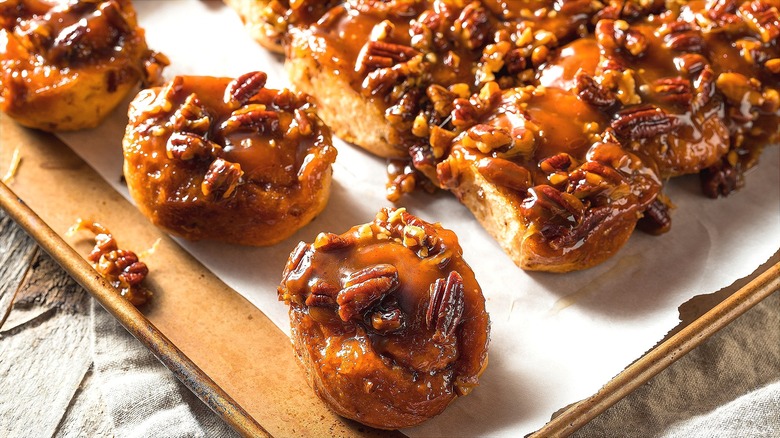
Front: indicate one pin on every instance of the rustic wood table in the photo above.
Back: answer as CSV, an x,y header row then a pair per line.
x,y
49,389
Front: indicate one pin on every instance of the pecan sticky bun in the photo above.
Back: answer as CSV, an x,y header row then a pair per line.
x,y
387,319
227,159
555,122
67,64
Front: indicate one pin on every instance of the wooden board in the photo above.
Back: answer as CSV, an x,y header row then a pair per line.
x,y
218,344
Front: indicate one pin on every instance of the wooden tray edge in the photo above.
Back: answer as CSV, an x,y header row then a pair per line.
x,y
663,355
131,319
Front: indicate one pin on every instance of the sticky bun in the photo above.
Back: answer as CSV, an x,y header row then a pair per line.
x,y
555,122
387,319
67,64
227,159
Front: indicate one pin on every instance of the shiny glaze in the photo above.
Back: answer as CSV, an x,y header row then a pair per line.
x,y
386,379
282,170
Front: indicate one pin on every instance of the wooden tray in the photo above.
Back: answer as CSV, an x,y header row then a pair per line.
x,y
218,344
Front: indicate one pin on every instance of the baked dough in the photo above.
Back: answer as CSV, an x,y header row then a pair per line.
x,y
227,159
387,319
67,64
556,123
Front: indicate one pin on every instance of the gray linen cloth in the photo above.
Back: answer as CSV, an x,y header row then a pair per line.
x,y
727,387
142,397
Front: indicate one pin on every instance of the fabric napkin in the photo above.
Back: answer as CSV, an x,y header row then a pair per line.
x,y
727,387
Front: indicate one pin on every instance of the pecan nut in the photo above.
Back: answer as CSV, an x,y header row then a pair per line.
x,y
643,122
221,179
241,89
364,288
674,91
445,308
591,92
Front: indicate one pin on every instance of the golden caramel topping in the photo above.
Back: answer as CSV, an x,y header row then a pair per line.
x,y
399,288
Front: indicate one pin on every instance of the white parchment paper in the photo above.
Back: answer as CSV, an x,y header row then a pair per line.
x,y
555,339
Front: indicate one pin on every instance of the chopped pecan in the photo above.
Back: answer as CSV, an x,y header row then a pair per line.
x,y
241,89
773,65
560,236
514,61
381,82
487,138
591,92
441,98
643,122
365,287
445,308
674,91
655,219
464,113
186,146
720,179
473,25
221,179
191,116
387,321
617,35
104,243
763,18
93,36
122,264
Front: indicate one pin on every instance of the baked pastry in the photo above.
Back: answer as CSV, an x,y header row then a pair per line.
x,y
555,122
387,319
227,159
268,20
67,64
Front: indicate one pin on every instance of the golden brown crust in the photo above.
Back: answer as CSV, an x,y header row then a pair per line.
x,y
229,160
352,116
66,65
387,320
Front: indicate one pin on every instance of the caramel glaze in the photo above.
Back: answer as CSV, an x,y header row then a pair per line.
x,y
50,48
250,168
513,90
386,361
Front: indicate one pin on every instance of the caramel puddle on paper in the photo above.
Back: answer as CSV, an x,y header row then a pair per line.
x,y
624,264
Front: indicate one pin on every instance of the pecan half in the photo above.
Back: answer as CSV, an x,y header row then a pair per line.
x,y
763,18
186,146
446,306
241,89
221,179
473,25
323,294
381,54
192,116
591,92
674,91
642,122
365,287
682,36
252,117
